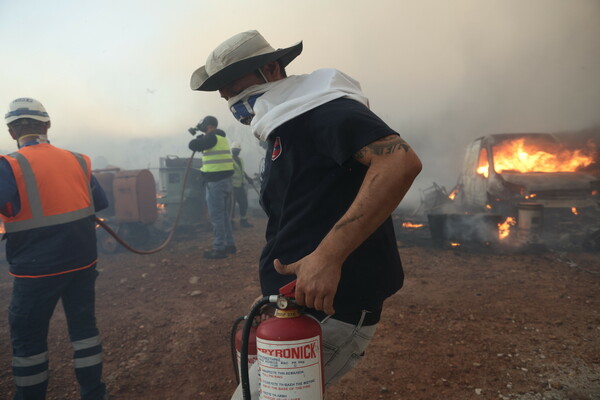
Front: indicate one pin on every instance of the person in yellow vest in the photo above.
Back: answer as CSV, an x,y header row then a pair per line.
x,y
217,170
240,178
48,197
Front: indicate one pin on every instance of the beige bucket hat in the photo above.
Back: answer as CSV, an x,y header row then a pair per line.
x,y
238,56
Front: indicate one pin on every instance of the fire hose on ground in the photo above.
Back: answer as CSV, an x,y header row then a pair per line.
x,y
171,233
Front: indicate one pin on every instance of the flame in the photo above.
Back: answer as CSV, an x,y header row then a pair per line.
x,y
519,155
574,211
453,195
411,225
530,196
98,225
488,206
504,227
483,165
160,206
454,244
2,230
484,170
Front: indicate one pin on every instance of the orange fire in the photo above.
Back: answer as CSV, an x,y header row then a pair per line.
x,y
454,244
521,156
504,227
530,196
2,230
483,164
160,206
453,194
411,225
574,211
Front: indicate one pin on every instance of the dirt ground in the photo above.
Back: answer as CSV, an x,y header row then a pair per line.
x,y
468,324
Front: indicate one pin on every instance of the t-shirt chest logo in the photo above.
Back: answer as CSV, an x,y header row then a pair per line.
x,y
276,149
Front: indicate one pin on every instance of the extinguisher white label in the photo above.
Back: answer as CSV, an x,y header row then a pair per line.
x,y
290,370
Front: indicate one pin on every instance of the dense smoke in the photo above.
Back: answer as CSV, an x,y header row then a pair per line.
x,y
440,73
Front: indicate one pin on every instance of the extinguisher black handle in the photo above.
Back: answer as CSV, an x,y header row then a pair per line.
x,y
245,378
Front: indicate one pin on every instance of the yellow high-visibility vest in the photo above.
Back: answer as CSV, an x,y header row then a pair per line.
x,y
237,180
218,158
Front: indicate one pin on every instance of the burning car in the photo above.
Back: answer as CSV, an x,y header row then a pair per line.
x,y
502,170
502,173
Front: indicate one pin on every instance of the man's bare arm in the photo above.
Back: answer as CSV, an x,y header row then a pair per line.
x,y
392,168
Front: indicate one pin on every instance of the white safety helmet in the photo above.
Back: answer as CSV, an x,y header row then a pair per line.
x,y
26,107
236,145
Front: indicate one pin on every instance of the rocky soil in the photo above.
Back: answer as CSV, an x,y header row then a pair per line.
x,y
469,324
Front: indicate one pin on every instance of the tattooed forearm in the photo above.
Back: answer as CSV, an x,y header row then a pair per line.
x,y
359,155
386,145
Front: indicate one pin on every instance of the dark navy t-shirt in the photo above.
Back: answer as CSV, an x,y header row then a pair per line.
x,y
309,181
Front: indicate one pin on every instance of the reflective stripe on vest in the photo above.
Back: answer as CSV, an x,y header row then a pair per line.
x,y
218,158
34,201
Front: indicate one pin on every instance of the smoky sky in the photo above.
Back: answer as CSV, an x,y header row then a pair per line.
x,y
115,76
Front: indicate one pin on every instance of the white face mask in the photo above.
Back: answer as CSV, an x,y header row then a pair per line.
x,y
242,105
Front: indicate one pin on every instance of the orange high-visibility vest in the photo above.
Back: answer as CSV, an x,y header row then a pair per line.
x,y
54,187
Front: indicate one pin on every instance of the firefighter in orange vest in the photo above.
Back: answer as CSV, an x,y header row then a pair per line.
x,y
48,197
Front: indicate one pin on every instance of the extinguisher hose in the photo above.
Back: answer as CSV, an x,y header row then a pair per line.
x,y
234,328
171,233
254,311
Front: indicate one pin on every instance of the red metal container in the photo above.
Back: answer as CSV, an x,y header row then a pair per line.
x,y
135,196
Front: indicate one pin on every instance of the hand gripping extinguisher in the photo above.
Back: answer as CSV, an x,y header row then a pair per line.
x,y
289,353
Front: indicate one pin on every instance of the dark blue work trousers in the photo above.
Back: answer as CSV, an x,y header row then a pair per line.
x,y
32,305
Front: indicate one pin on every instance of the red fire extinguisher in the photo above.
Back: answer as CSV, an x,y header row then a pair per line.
x,y
289,352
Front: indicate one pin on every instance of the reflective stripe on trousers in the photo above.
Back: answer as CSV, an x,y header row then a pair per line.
x,y
87,352
31,370
32,305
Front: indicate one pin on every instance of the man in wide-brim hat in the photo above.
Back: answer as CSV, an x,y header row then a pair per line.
x,y
334,172
245,52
